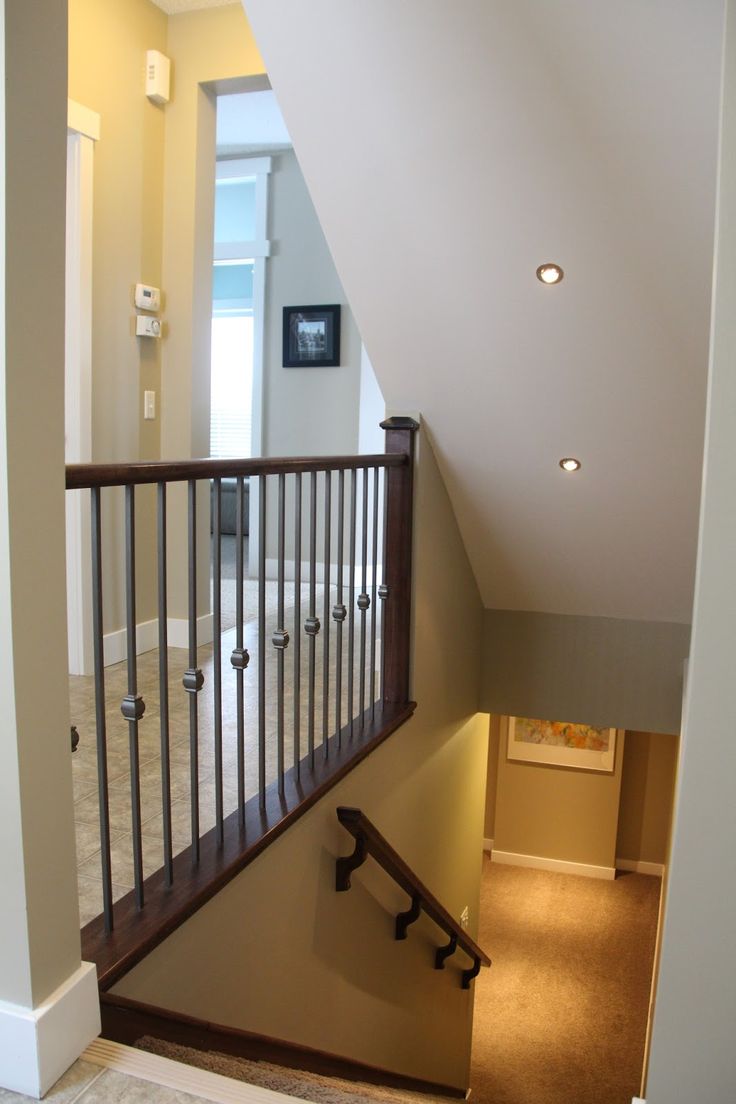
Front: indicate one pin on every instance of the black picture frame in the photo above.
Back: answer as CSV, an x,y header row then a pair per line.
x,y
312,336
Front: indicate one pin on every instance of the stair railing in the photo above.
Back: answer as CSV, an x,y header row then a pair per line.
x,y
346,686
369,841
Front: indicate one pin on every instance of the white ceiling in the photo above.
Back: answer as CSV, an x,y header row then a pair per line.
x,y
450,148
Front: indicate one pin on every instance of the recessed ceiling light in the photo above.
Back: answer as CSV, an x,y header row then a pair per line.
x,y
570,464
550,273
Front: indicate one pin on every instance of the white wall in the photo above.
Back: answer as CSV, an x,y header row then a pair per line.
x,y
692,1048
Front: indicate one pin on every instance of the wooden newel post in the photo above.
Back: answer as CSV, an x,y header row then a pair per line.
x,y
396,589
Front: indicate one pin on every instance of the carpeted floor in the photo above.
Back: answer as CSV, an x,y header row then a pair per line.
x,y
560,1018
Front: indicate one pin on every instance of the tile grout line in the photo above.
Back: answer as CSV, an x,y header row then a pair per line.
x,y
89,1085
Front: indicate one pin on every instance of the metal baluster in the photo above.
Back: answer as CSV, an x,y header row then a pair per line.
x,y
193,679
163,682
280,638
312,625
297,619
262,641
374,588
217,652
363,598
326,637
101,724
351,602
339,612
383,588
132,706
239,657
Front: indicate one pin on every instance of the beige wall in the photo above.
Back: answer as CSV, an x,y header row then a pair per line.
x,y
645,805
279,952
557,813
596,670
647,797
107,52
39,925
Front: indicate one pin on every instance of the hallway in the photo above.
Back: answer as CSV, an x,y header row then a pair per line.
x,y
561,1015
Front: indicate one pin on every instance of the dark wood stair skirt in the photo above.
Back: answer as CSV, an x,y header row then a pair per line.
x,y
136,932
127,1021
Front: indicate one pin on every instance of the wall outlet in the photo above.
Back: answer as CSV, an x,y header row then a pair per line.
x,y
465,918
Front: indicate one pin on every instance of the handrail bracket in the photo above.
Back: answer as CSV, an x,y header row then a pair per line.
x,y
346,866
404,919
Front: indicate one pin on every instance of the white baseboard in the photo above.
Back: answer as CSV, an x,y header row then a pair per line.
x,y
487,844
560,866
636,866
115,644
38,1045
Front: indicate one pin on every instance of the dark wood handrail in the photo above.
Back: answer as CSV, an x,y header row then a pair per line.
x,y
369,841
80,476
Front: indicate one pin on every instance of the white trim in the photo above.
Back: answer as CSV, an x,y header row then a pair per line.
x,y
487,844
178,631
232,252
638,1100
146,637
177,1076
239,169
559,866
637,866
78,383
38,1045
82,120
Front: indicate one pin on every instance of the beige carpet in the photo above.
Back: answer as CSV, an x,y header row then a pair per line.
x,y
560,1018
299,1083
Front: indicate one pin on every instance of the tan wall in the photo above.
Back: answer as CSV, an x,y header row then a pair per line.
x,y
39,926
645,802
494,734
595,670
647,797
279,952
107,54
556,812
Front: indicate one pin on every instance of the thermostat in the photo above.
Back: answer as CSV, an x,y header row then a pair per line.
x,y
147,297
147,327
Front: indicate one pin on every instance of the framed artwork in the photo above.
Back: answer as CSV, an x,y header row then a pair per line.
x,y
312,337
559,744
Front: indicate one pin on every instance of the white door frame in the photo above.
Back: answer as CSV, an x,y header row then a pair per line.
x,y
83,130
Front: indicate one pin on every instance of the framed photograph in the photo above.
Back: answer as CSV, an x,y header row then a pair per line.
x,y
312,337
559,744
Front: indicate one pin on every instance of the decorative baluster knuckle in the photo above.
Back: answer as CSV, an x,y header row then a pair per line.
x,y
364,601
383,592
339,612
193,680
75,738
312,626
132,707
240,658
404,919
280,639
444,952
473,972
345,866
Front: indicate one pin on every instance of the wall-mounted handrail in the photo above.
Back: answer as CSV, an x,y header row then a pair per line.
x,y
369,841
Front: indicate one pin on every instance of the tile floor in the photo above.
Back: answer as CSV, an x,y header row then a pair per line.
x,y
81,690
